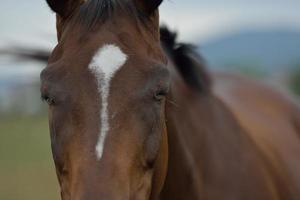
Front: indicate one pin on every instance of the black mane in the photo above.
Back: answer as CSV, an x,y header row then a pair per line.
x,y
187,61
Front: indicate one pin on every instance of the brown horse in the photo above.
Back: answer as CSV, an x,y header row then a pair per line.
x,y
127,124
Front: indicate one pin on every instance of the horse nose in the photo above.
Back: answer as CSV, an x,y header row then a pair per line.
x,y
96,197
93,192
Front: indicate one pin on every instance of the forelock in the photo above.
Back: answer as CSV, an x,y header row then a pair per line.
x,y
95,12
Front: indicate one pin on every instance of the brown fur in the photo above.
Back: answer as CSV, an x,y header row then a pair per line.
x,y
213,156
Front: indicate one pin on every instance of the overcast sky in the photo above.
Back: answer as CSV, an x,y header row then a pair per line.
x,y
30,22
205,19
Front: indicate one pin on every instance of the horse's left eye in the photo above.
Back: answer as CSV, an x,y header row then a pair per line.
x,y
48,99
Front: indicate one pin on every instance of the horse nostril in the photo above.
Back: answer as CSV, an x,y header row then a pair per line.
x,y
149,164
64,171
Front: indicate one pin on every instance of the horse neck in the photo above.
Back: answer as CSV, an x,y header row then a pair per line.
x,y
206,145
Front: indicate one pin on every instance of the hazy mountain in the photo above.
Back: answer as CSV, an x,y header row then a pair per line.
x,y
270,50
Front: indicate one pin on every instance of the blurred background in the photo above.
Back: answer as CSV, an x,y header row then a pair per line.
x,y
259,38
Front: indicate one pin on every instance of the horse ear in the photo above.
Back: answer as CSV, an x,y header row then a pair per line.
x,y
64,8
148,6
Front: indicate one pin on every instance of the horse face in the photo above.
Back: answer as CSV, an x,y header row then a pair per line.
x,y
105,84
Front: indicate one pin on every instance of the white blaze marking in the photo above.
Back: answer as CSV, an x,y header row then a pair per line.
x,y
106,62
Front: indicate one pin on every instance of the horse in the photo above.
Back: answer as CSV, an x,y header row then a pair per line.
x,y
133,114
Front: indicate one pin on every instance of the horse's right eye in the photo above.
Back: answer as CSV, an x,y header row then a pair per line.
x,y
160,95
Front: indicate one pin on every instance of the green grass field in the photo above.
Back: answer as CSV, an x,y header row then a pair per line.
x,y
26,167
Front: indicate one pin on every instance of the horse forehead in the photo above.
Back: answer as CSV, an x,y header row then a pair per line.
x,y
105,63
107,60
